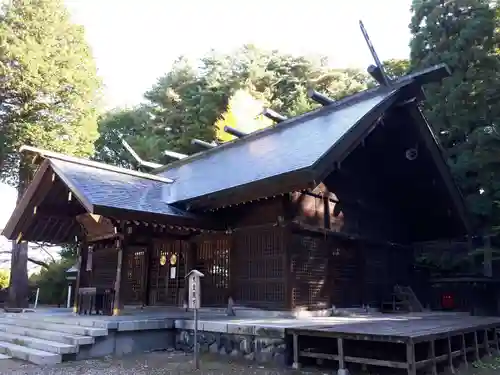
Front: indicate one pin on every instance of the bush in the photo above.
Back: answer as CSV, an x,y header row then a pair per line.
x,y
52,283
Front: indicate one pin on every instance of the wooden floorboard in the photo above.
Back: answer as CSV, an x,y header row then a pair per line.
x,y
398,327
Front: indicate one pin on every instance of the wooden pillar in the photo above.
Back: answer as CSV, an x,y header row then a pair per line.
x,y
147,275
296,351
340,345
487,343
79,274
410,359
476,347
117,304
289,211
190,263
488,257
432,356
450,356
464,351
495,337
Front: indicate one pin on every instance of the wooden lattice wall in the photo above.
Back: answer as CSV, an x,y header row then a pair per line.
x,y
258,268
324,271
103,262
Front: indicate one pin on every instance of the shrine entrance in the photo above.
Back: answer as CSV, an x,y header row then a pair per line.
x,y
167,273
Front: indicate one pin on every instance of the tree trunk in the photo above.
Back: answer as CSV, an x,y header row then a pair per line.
x,y
18,285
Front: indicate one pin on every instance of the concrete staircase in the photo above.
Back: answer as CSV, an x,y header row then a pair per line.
x,y
44,340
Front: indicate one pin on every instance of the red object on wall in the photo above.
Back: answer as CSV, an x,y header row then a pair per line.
x,y
447,301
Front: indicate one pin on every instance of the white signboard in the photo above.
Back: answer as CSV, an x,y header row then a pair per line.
x,y
194,292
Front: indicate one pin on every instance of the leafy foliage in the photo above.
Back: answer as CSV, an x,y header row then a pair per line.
x,y
195,100
244,113
48,91
52,282
464,108
4,278
49,85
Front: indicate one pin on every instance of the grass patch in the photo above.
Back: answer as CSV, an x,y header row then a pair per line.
x,y
487,366
18,342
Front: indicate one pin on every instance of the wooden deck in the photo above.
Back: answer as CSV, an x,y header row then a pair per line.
x,y
410,343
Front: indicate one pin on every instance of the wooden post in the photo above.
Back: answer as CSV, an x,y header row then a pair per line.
x,y
476,347
488,257
410,358
487,343
464,351
497,345
432,356
450,356
296,364
340,345
79,275
118,279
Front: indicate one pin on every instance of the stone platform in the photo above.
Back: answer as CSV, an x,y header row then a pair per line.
x,y
253,335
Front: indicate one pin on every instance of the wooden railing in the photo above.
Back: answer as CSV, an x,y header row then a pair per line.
x,y
95,300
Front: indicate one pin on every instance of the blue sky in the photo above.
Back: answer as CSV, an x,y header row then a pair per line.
x,y
135,42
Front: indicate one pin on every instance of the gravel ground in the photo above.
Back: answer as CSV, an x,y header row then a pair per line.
x,y
181,364
144,364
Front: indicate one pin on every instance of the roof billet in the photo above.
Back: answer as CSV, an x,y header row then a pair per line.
x,y
55,155
138,159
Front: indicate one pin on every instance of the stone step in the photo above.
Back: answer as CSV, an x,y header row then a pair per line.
x,y
56,327
38,357
76,320
62,337
40,344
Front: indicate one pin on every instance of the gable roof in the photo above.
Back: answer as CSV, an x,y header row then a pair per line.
x,y
290,148
102,190
292,155
289,155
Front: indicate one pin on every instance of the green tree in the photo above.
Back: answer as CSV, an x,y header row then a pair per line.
x,y
52,282
48,95
244,113
132,125
4,278
187,101
464,108
396,68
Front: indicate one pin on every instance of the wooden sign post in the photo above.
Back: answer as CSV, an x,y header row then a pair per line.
x,y
194,300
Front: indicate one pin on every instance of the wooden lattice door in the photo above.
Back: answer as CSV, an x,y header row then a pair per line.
x,y
135,276
212,259
168,272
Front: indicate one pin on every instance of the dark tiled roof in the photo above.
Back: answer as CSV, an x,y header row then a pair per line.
x,y
291,146
106,188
